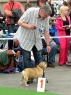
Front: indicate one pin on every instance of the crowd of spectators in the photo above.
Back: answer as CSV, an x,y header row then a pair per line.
x,y
30,31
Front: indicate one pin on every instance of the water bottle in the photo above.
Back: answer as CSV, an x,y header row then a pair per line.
x,y
6,31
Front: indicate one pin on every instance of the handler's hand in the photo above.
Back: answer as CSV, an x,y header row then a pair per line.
x,y
67,27
48,49
32,26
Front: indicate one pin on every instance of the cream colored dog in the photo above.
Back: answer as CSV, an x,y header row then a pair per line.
x,y
33,72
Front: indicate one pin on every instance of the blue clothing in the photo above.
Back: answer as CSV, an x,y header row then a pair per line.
x,y
27,57
52,54
12,28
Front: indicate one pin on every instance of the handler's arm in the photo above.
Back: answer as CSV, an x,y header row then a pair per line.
x,y
47,39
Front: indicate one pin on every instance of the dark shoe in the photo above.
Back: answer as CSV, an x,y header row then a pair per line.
x,y
50,65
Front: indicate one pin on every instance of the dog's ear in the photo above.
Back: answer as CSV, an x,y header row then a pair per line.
x,y
43,65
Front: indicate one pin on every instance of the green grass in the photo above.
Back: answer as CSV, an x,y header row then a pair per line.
x,y
16,91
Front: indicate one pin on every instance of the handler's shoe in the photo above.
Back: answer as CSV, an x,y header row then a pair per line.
x,y
50,65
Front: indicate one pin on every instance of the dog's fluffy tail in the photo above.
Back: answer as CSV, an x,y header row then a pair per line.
x,y
22,77
22,74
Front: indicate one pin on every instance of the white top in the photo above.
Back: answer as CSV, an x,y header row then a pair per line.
x,y
28,37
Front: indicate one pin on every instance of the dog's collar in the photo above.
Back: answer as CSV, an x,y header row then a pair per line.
x,y
42,68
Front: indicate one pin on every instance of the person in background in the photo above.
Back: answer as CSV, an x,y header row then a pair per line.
x,y
49,3
13,11
16,49
14,45
52,18
69,5
2,21
62,26
51,55
40,2
65,3
27,5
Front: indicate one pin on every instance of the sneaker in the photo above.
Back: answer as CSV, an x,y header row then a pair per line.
x,y
16,70
68,63
50,65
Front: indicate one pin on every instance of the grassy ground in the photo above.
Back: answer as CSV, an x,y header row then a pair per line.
x,y
15,91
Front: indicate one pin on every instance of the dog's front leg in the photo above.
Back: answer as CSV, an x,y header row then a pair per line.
x,y
44,77
37,79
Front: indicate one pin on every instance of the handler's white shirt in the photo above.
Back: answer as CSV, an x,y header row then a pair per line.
x,y
28,37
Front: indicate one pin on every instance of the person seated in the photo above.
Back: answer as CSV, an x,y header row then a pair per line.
x,y
2,22
51,55
15,47
27,5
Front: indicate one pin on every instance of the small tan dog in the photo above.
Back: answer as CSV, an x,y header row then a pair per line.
x,y
33,72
